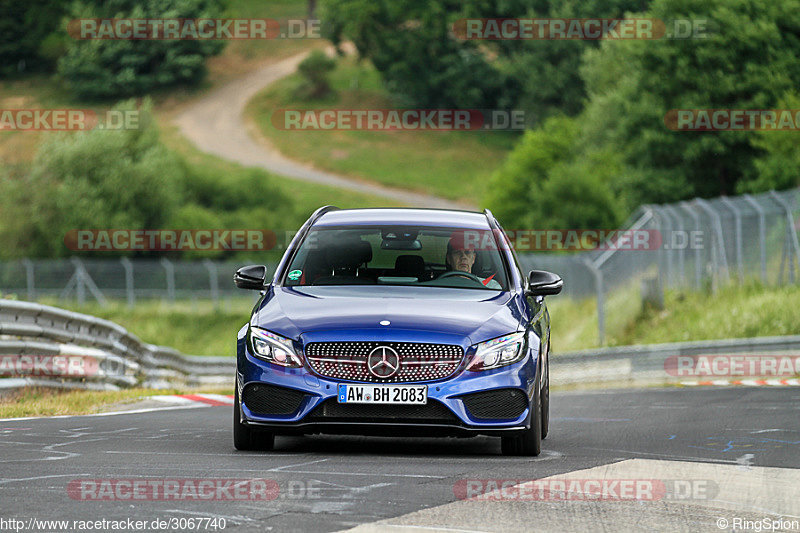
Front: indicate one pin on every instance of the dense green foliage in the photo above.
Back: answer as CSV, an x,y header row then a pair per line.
x,y
411,45
601,147
29,36
404,38
125,179
109,68
750,59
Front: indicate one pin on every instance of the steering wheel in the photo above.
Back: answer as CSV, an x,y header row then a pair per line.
x,y
468,275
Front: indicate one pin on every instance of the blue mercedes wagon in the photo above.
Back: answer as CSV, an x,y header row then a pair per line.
x,y
412,322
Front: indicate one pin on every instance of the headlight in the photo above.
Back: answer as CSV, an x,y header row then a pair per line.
x,y
273,348
498,352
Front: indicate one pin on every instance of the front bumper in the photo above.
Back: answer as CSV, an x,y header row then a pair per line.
x,y
317,411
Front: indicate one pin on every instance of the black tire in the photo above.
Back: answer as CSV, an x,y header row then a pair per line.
x,y
242,435
529,441
546,398
244,438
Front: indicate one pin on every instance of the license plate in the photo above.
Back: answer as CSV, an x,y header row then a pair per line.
x,y
384,394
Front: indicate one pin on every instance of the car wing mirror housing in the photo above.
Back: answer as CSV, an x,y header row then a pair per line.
x,y
252,277
543,283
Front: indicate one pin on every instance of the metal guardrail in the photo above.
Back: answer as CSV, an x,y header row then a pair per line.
x,y
117,357
647,364
122,360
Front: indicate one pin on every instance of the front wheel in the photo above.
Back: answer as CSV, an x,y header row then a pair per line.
x,y
244,438
529,441
546,398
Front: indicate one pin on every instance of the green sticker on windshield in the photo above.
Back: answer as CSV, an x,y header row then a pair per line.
x,y
294,275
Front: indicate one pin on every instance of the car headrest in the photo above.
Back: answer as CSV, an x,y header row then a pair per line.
x,y
409,265
349,254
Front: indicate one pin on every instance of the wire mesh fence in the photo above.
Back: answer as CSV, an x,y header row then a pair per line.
x,y
83,280
695,245
702,245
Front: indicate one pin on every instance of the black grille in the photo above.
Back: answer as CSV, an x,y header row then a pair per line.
x,y
496,404
418,361
432,412
271,400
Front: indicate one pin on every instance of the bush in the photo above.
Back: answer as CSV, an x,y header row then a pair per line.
x,y
99,179
315,69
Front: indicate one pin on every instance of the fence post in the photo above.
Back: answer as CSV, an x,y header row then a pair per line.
x,y
213,280
169,268
128,266
791,233
601,313
82,282
721,256
29,279
679,225
80,287
698,266
737,217
664,227
762,234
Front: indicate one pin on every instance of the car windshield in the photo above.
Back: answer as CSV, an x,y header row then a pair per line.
x,y
399,255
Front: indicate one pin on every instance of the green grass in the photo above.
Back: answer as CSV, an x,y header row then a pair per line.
x,y
194,328
454,165
53,402
751,310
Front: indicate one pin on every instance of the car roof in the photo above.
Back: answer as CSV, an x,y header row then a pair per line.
x,y
401,216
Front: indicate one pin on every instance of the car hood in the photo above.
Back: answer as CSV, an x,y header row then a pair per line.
x,y
418,314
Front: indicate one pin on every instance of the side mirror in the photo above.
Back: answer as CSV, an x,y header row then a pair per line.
x,y
543,283
251,277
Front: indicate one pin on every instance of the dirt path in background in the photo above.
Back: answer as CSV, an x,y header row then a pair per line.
x,y
215,124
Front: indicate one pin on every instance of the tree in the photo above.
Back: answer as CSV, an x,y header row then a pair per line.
x,y
544,185
99,179
548,71
405,38
779,166
109,68
28,31
749,59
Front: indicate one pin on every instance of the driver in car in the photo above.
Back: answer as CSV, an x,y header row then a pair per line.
x,y
460,258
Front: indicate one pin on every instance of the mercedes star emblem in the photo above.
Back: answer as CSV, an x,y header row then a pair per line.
x,y
383,362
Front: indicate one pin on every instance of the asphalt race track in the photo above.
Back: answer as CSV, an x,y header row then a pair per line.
x,y
743,442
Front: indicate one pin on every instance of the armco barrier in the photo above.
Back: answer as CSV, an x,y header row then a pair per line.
x,y
646,363
122,359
